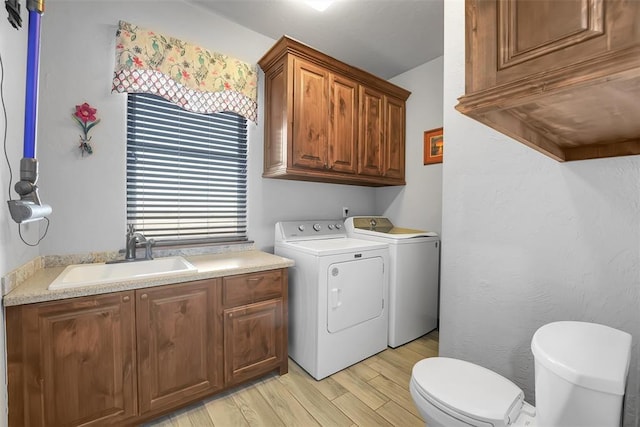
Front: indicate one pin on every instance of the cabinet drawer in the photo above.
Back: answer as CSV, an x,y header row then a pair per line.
x,y
248,288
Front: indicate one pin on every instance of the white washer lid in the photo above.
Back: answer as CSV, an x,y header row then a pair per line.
x,y
333,246
468,389
586,354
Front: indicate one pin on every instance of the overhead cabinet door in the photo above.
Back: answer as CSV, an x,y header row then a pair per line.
x,y
343,117
310,121
371,132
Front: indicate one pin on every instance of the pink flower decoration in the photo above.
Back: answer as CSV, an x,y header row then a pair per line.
x,y
85,116
227,86
185,75
85,113
137,61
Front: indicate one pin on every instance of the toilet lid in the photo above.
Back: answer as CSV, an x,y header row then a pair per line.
x,y
468,389
586,354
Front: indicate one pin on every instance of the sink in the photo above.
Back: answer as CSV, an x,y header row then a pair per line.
x,y
78,275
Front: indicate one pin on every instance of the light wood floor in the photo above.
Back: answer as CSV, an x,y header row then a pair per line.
x,y
374,392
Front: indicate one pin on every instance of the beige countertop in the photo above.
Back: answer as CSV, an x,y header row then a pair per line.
x,y
35,289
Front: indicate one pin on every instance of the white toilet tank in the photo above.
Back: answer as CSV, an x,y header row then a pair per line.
x,y
580,374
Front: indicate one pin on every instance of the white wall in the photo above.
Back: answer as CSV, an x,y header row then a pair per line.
x,y
419,203
13,49
88,194
529,240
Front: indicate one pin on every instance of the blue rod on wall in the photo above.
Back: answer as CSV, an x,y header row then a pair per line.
x,y
31,95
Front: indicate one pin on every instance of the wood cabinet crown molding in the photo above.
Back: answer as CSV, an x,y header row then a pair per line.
x,y
327,121
287,45
560,77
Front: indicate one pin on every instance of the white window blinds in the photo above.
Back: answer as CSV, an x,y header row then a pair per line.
x,y
186,172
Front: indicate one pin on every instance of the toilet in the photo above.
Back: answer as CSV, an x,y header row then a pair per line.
x,y
580,375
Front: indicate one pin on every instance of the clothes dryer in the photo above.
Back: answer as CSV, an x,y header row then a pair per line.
x,y
413,275
338,292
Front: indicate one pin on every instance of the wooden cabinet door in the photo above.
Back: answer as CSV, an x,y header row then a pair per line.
x,y
253,340
371,136
343,126
310,115
179,344
515,39
77,364
275,121
394,139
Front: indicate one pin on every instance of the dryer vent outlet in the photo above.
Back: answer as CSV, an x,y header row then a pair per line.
x,y
345,212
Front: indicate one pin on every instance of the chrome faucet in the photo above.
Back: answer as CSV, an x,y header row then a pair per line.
x,y
133,238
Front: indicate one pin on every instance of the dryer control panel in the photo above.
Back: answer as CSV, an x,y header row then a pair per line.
x,y
308,230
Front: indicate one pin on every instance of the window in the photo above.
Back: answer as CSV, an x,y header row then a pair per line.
x,y
186,172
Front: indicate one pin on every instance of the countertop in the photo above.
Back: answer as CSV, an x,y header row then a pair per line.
x,y
35,289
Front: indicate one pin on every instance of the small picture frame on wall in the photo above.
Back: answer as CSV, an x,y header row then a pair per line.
x,y
433,146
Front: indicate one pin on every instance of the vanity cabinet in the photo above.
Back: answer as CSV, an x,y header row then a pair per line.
x,y
72,362
327,121
255,334
126,357
179,342
562,77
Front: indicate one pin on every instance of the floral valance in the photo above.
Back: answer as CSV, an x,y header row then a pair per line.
x,y
192,77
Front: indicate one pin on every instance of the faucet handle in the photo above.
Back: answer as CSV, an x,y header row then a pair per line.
x,y
130,230
148,248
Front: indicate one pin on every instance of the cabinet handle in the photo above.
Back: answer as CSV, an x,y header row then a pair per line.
x,y
143,296
125,299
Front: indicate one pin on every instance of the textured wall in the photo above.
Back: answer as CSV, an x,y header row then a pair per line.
x,y
529,240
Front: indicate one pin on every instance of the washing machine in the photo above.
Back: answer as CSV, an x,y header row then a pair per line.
x,y
338,292
413,275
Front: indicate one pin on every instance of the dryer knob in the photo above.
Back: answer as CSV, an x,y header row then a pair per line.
x,y
330,226
317,227
301,227
338,226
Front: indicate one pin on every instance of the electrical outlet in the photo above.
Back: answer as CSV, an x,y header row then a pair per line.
x,y
345,212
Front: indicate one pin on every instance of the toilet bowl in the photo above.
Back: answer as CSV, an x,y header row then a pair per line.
x,y
580,376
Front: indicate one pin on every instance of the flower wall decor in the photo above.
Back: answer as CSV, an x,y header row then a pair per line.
x,y
85,115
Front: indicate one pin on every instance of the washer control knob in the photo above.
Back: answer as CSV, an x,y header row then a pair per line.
x,y
301,227
338,226
330,226
317,227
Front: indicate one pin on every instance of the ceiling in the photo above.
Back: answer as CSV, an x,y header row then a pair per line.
x,y
383,37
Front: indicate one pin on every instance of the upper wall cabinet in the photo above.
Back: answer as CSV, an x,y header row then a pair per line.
x,y
330,122
562,77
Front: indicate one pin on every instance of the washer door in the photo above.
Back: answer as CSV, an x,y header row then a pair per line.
x,y
355,292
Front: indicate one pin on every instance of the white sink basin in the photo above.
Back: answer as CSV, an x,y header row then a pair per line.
x,y
75,276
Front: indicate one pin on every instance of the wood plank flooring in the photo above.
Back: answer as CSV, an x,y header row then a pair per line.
x,y
374,392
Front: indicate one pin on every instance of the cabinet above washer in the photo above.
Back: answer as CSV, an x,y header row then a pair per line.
x,y
330,122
